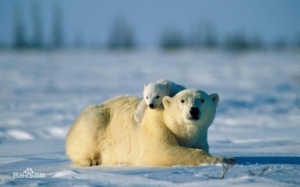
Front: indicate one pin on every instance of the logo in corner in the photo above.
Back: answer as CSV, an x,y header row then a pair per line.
x,y
28,173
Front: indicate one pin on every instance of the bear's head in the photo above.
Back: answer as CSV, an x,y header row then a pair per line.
x,y
154,93
190,113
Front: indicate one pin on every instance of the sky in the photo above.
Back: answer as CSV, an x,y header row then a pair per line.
x,y
91,21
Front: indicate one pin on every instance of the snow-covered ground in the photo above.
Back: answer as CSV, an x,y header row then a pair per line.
x,y
258,117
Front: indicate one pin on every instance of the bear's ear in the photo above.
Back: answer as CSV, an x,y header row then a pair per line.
x,y
215,98
166,101
145,85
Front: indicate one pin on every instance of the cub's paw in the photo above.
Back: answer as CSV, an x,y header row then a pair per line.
x,y
138,117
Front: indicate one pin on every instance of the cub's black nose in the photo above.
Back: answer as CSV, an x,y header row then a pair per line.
x,y
194,111
151,106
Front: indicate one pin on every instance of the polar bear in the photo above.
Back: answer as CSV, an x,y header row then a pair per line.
x,y
173,134
153,94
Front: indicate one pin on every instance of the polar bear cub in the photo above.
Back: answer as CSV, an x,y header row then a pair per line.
x,y
153,94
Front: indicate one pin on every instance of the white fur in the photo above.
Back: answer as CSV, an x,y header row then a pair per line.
x,y
194,133
153,94
108,134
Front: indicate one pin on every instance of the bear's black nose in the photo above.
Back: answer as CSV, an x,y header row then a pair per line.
x,y
151,106
194,111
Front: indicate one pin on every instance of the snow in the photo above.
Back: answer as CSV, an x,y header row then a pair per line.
x,y
257,121
19,135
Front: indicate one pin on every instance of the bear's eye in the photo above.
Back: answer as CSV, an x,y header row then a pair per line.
x,y
182,101
202,100
157,97
147,98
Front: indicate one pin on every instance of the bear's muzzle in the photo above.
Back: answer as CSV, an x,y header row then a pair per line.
x,y
194,112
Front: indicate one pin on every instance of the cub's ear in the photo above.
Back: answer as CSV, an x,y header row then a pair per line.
x,y
166,101
167,85
215,98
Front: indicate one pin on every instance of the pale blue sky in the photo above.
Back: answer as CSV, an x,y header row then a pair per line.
x,y
93,19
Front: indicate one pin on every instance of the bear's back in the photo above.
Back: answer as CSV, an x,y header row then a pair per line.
x,y
120,139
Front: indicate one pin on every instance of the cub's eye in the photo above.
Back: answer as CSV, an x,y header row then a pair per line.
x,y
157,97
202,100
182,101
147,98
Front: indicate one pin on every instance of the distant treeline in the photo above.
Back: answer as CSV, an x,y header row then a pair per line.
x,y
206,38
122,36
37,41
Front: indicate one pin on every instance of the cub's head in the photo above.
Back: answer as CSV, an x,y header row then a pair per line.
x,y
191,107
154,93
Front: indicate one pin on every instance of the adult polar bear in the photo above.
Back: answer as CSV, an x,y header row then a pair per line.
x,y
174,134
